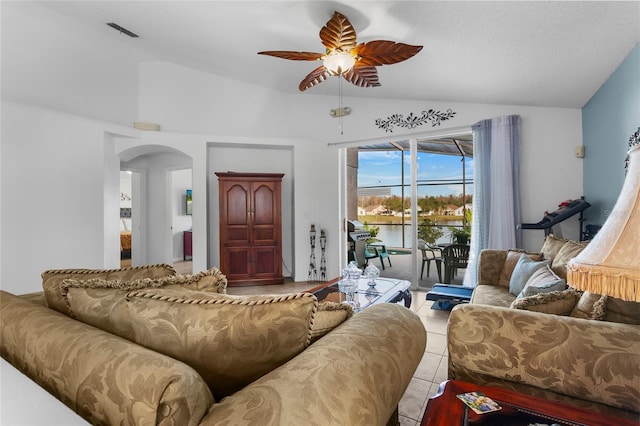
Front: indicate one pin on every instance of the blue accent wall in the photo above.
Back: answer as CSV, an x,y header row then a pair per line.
x,y
608,119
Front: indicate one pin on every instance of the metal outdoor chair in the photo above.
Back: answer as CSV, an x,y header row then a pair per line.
x,y
382,253
454,257
429,255
370,253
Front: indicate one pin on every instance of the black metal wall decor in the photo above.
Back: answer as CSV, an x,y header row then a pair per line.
x,y
634,140
413,121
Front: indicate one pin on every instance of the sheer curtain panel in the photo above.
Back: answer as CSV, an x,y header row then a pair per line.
x,y
496,195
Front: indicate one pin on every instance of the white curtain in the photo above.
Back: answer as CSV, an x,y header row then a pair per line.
x,y
496,195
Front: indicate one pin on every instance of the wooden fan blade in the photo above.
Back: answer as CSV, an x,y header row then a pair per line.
x,y
363,76
338,33
384,52
295,56
316,76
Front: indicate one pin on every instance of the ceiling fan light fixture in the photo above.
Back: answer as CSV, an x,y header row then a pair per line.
x,y
338,63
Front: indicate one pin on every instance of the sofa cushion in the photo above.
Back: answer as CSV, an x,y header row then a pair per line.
x,y
590,306
101,303
492,295
523,270
329,316
554,302
230,340
568,251
619,310
52,279
542,281
513,255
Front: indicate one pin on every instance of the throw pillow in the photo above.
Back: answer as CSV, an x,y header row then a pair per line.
x,y
568,251
523,270
543,281
555,302
230,340
52,279
101,303
590,306
329,316
513,255
552,246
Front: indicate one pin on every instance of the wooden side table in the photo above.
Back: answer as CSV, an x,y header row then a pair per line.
x,y
446,409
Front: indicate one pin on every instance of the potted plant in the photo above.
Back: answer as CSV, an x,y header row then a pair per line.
x,y
462,235
373,230
429,231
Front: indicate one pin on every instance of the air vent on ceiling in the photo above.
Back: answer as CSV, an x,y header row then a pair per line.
x,y
121,29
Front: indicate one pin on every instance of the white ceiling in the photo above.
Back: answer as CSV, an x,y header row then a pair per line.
x,y
517,53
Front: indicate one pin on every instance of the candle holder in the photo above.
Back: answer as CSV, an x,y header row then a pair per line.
x,y
313,272
323,259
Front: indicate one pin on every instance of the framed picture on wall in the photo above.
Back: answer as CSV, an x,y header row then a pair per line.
x,y
189,208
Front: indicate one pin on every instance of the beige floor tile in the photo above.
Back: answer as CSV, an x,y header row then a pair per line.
x,y
442,371
413,399
405,421
436,343
428,367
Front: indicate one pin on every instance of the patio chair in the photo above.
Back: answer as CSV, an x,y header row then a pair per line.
x,y
382,252
370,253
454,256
429,255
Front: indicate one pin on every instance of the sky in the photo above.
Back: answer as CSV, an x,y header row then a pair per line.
x,y
384,168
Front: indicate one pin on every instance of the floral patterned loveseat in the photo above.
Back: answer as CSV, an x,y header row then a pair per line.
x,y
573,347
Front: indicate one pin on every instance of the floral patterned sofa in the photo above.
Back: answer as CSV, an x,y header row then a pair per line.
x,y
548,339
146,346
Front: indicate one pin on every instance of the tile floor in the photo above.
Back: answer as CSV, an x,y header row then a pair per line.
x,y
432,370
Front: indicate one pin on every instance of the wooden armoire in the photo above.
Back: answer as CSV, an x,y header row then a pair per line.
x,y
251,227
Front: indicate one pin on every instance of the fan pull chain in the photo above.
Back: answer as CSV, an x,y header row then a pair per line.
x,y
340,104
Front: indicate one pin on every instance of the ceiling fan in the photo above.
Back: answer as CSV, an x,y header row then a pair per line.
x,y
355,62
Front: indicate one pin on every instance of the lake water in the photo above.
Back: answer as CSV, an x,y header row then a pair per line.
x,y
391,235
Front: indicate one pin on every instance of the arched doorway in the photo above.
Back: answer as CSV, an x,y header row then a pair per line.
x,y
160,178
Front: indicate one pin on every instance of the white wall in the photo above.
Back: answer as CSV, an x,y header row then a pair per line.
x,y
53,195
53,66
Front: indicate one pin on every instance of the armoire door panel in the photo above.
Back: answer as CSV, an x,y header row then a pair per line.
x,y
238,205
264,235
266,261
238,263
238,235
264,205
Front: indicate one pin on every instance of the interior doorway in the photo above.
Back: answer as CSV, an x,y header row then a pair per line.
x,y
126,191
181,198
155,202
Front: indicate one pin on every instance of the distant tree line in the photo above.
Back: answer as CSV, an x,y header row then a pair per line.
x,y
429,203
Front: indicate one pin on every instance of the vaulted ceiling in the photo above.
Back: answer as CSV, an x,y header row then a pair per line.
x,y
551,53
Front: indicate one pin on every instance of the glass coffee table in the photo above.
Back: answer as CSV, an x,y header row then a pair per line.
x,y
386,290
